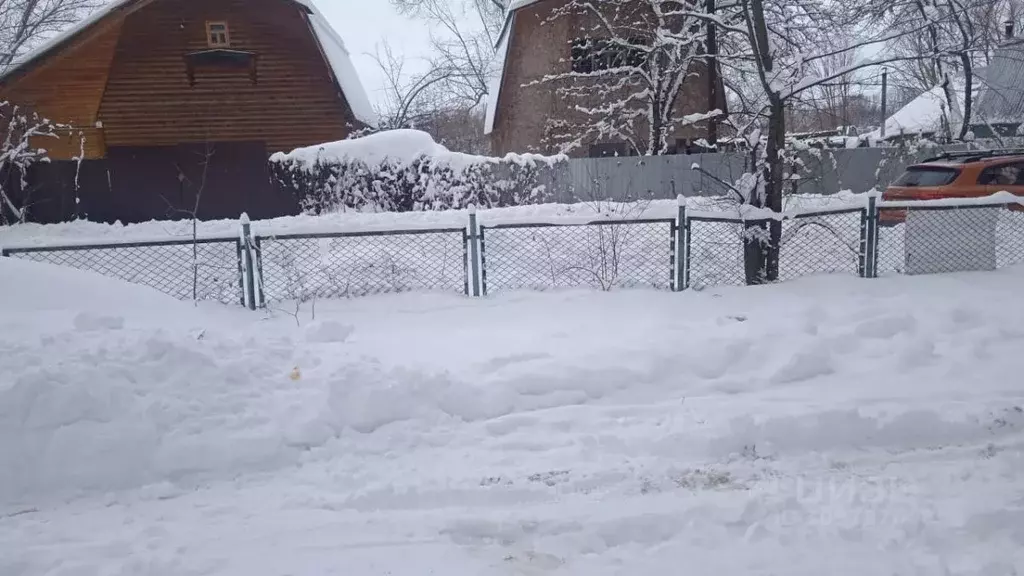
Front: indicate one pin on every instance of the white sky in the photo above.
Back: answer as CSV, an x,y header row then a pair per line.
x,y
363,24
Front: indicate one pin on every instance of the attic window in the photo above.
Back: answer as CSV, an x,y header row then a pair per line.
x,y
217,35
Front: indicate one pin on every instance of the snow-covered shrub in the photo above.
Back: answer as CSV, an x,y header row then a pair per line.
x,y
405,170
22,131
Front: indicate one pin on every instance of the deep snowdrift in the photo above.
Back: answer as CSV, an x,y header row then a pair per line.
x,y
830,425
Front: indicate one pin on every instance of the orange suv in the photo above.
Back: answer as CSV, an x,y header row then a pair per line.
x,y
957,175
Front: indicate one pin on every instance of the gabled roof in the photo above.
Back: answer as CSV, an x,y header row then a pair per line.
x,y
331,44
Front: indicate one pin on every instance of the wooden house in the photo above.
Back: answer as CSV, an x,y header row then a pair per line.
x,y
534,45
174,100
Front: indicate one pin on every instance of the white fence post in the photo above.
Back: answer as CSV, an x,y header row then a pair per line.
x,y
248,269
474,251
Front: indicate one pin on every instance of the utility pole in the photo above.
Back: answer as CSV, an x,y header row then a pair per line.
x,y
885,89
712,50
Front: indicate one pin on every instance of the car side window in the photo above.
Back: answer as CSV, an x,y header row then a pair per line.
x,y
1011,174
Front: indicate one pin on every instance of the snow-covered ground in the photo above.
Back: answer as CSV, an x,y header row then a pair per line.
x,y
828,425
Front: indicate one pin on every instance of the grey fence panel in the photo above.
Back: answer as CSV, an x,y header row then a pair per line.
x,y
306,266
935,240
716,252
823,242
207,269
822,172
605,255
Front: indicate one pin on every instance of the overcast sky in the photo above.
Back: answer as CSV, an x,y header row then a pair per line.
x,y
363,24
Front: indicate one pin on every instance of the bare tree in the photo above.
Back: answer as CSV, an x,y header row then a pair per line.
x,y
443,97
958,37
463,35
24,23
781,44
408,99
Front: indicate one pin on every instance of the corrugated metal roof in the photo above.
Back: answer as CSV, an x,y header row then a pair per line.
x,y
1002,96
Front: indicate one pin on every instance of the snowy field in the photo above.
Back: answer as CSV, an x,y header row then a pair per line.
x,y
828,425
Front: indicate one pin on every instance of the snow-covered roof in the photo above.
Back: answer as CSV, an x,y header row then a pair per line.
x,y
494,90
333,47
921,115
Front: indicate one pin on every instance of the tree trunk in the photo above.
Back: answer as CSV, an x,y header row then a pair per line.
x,y
773,183
965,126
712,64
759,250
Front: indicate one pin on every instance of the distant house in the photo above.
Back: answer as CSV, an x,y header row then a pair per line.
x,y
173,98
1000,110
534,45
925,116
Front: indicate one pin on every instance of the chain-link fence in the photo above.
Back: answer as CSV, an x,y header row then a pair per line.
x,y
305,266
602,255
932,240
824,242
708,251
715,252
204,269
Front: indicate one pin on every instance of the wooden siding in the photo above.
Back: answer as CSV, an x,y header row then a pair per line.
x,y
150,102
68,87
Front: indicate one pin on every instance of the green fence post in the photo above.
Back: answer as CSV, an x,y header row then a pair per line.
x,y
681,255
474,250
248,277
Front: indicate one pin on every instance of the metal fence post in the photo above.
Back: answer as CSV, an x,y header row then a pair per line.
x,y
681,256
474,250
248,276
871,254
862,257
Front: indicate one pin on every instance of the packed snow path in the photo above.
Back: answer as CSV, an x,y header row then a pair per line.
x,y
825,426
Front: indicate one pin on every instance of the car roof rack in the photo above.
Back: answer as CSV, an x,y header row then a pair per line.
x,y
975,155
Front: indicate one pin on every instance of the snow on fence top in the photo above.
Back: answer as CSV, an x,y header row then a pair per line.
x,y
400,147
84,232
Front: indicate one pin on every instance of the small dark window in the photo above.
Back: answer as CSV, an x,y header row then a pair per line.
x,y
593,55
609,150
927,176
1003,175
217,35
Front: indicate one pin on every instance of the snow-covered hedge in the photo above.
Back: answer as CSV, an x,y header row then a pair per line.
x,y
405,170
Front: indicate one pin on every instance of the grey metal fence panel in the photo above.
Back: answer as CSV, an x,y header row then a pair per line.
x,y
605,255
716,252
207,269
338,265
822,242
664,177
933,240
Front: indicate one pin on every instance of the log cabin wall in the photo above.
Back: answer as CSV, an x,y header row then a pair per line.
x,y
150,101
